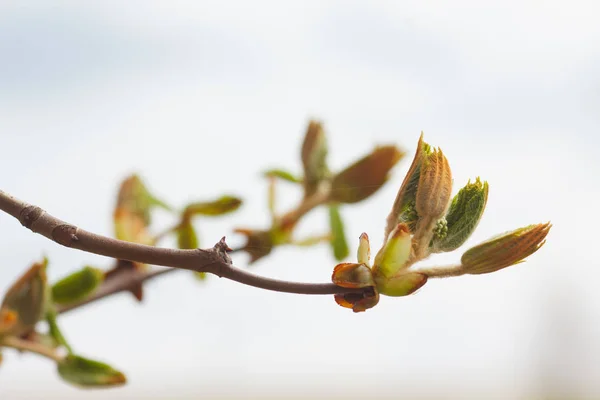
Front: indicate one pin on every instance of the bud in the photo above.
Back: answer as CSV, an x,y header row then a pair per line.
x,y
26,299
363,178
314,154
400,285
505,250
462,218
77,286
88,373
8,319
364,250
352,275
358,302
394,254
403,209
434,187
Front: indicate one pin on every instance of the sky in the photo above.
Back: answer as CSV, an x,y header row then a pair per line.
x,y
200,97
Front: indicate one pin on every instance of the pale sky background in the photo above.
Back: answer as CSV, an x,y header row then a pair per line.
x,y
199,97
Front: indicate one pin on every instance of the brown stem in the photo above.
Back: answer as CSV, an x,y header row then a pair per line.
x,y
123,281
215,260
320,197
33,347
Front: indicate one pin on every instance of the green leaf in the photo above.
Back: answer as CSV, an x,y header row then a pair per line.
x,y
338,237
220,206
88,373
26,299
158,203
367,175
186,235
314,157
394,253
462,218
77,286
401,285
283,175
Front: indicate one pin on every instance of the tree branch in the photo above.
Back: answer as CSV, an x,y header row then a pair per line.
x,y
33,347
123,281
215,261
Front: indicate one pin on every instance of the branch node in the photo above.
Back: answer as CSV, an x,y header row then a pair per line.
x,y
221,250
65,234
29,215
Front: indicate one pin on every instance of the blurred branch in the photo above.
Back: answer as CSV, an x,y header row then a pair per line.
x,y
122,281
33,347
215,260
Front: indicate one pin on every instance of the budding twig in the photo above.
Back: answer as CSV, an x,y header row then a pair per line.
x,y
215,260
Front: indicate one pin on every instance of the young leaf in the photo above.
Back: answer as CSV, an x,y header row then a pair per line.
x,y
220,206
338,237
403,210
259,243
135,198
187,239
83,372
314,154
363,178
462,218
186,235
131,227
132,211
283,175
401,285
394,253
505,250
77,286
27,298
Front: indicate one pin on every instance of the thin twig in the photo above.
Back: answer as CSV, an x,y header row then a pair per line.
x,y
123,281
33,347
215,261
440,271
